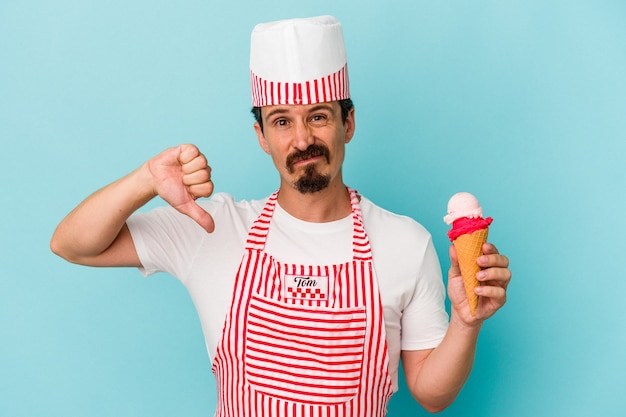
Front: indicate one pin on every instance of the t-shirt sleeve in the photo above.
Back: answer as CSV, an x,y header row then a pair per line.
x,y
424,320
165,240
169,241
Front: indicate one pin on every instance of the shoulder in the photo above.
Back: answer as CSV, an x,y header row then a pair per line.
x,y
400,245
224,202
382,223
230,213
222,206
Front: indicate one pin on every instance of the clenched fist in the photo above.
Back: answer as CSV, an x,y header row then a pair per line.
x,y
180,175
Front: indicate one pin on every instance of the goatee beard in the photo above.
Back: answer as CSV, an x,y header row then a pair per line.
x,y
312,181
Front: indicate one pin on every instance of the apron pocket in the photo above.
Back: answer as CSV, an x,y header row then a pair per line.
x,y
304,354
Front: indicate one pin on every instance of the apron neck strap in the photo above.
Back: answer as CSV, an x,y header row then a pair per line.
x,y
361,248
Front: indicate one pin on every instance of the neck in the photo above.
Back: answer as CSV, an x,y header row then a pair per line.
x,y
327,205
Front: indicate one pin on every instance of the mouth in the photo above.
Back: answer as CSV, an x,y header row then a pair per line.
x,y
312,154
306,161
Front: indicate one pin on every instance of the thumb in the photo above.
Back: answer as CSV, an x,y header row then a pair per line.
x,y
199,215
456,288
454,270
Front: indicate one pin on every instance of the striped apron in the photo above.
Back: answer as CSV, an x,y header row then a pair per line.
x,y
303,340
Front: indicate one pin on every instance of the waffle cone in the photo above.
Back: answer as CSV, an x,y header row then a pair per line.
x,y
468,248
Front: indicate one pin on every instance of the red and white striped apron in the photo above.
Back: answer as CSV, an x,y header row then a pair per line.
x,y
303,340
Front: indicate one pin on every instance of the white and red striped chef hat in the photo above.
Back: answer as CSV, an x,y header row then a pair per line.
x,y
298,61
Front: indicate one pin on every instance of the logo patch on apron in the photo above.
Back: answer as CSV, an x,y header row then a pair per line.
x,y
304,287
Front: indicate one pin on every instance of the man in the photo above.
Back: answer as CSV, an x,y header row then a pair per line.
x,y
308,298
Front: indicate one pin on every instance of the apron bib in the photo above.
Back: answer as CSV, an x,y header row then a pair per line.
x,y
302,340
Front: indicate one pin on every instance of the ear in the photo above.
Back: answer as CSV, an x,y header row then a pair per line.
x,y
261,138
350,125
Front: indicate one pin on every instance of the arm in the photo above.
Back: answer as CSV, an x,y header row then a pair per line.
x,y
435,376
95,232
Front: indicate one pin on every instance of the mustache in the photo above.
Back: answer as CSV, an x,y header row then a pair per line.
x,y
310,152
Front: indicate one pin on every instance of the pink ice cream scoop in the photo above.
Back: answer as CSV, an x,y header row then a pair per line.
x,y
465,215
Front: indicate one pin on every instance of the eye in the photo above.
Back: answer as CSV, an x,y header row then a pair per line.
x,y
281,122
319,118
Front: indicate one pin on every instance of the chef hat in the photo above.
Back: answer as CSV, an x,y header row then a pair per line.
x,y
298,61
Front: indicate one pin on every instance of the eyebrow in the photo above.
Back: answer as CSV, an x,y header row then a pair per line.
x,y
283,110
276,111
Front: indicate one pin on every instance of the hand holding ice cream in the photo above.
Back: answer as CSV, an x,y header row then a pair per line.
x,y
469,232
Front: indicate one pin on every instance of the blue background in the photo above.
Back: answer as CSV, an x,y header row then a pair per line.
x,y
522,103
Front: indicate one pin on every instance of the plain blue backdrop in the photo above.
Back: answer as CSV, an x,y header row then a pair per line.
x,y
522,103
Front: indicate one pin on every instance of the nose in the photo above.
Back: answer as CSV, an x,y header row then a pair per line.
x,y
303,137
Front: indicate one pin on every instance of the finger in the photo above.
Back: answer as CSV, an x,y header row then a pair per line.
x,y
493,260
498,294
199,215
489,248
199,163
187,152
196,177
201,190
499,276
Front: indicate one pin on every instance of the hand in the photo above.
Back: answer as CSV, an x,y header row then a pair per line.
x,y
180,176
494,278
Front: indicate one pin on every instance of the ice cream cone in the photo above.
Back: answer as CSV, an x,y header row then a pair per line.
x,y
468,248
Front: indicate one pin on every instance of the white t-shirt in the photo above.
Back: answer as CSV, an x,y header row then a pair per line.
x,y
405,262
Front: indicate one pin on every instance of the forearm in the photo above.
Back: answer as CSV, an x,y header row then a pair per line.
x,y
89,229
445,370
